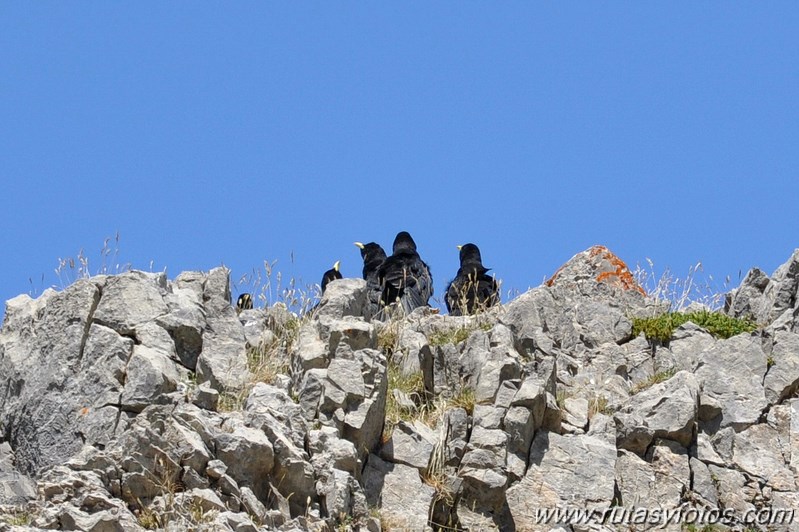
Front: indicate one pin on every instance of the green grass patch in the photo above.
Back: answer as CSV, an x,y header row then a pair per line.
x,y
411,385
657,378
450,336
463,399
661,328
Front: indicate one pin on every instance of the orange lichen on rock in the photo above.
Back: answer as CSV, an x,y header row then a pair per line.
x,y
603,265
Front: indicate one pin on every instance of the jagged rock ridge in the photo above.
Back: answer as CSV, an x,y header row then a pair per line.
x,y
132,401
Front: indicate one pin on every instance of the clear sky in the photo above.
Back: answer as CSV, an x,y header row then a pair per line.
x,y
208,133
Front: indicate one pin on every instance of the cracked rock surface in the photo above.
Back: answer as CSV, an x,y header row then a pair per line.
x,y
135,402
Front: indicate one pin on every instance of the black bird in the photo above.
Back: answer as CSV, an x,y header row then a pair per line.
x,y
373,257
244,302
331,275
404,277
471,290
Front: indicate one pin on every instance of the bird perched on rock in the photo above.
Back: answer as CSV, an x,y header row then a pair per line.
x,y
471,290
331,275
244,302
404,277
373,257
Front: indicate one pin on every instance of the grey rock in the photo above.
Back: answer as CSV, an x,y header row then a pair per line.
x,y
15,488
784,506
488,416
519,424
482,467
705,450
53,391
249,456
363,419
576,412
336,491
794,453
185,326
311,391
272,409
703,485
526,317
236,521
552,415
764,299
404,501
687,342
602,427
670,462
364,425
227,486
252,505
666,410
730,374
639,364
413,348
571,470
782,378
131,299
410,444
312,352
636,480
747,300
455,427
756,452
80,501
731,486
346,377
499,366
294,477
215,469
191,479
347,297
150,375
723,442
600,323
328,450
223,360
350,331
532,395
205,397
506,393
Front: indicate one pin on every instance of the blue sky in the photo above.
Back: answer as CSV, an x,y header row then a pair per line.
x,y
211,133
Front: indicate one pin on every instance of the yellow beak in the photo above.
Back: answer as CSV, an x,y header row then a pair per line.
x,y
360,245
459,247
336,265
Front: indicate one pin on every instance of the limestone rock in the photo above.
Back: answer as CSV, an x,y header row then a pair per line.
x,y
410,444
15,488
666,410
782,378
764,299
730,374
757,452
396,489
687,342
571,470
347,297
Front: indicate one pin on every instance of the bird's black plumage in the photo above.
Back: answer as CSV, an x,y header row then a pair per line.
x,y
331,275
373,257
471,289
404,276
244,302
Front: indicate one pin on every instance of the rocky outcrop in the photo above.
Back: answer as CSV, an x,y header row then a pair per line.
x,y
135,402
